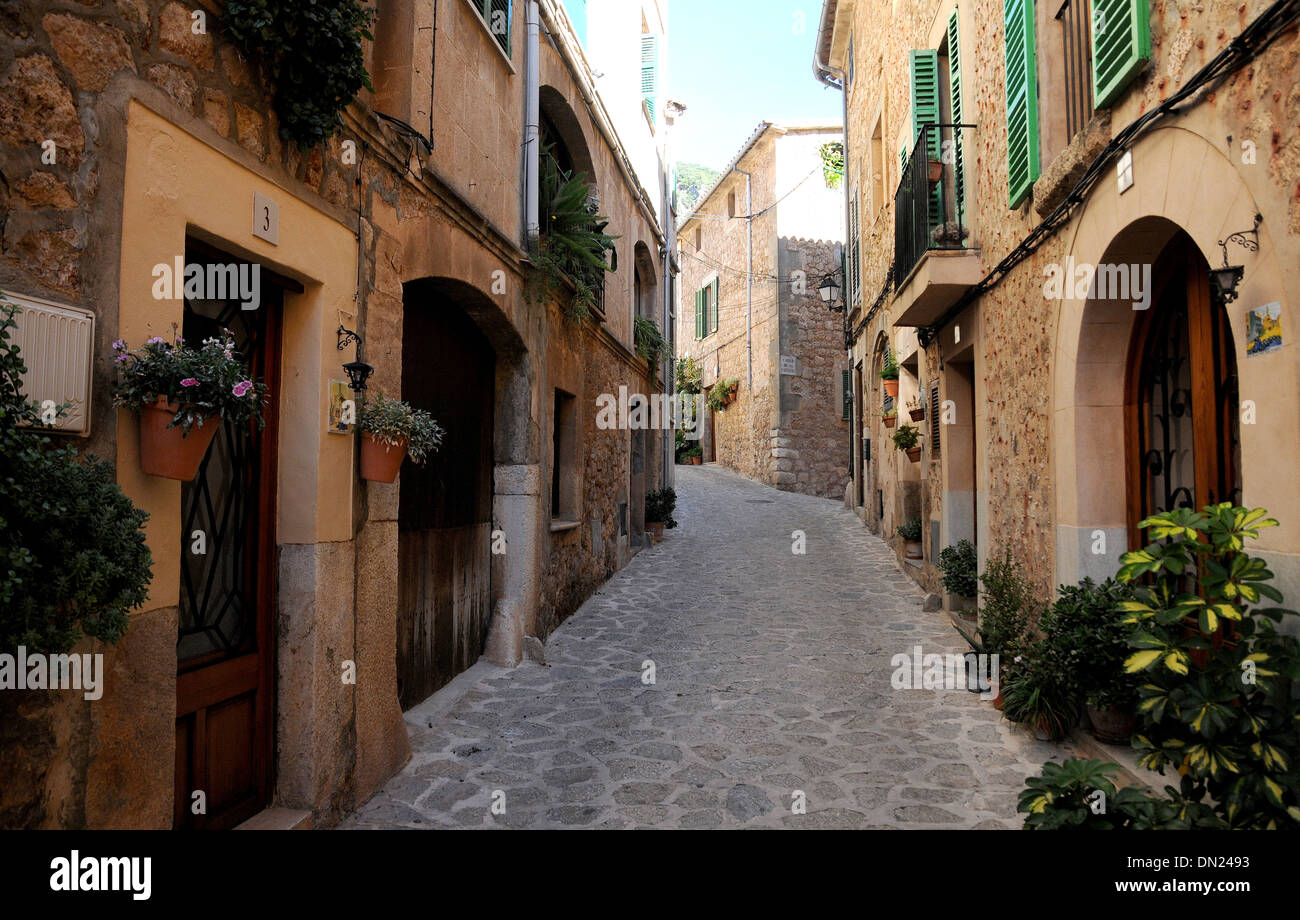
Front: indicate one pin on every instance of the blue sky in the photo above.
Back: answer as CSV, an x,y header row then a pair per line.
x,y
734,63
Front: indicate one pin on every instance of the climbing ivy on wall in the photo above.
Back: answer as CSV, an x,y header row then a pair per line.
x,y
312,53
832,154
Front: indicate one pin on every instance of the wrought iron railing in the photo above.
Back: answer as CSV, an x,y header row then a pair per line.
x,y
930,204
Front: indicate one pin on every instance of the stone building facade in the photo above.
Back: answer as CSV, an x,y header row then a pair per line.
x,y
411,228
753,252
1057,429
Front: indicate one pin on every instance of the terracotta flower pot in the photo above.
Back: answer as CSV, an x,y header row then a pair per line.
x,y
936,172
1112,726
696,461
891,387
997,700
891,421
165,451
380,462
914,454
918,415
656,530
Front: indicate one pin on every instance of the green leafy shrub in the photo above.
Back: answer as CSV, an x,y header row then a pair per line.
x,y
660,505
1217,701
650,343
960,566
203,382
832,157
910,530
572,245
1087,632
389,421
890,370
1065,797
73,558
689,376
1009,606
313,56
906,437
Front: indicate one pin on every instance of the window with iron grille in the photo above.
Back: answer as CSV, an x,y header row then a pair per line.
x,y
934,419
1076,63
497,14
846,389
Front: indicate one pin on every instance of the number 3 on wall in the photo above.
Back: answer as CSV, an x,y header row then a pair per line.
x,y
266,219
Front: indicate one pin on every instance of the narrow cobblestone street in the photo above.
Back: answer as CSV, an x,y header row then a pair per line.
x,y
772,675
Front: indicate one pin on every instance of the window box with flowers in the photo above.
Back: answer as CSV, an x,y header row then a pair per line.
x,y
180,392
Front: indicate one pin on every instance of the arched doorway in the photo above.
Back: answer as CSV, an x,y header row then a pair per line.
x,y
1183,445
445,508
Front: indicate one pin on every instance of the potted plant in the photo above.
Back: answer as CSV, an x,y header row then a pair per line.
x,y
391,431
659,507
1086,630
182,394
889,375
910,531
935,172
1004,621
723,393
890,418
959,564
908,439
693,455
915,409
1039,693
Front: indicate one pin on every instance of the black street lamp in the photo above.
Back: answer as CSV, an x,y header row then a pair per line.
x,y
1224,281
830,291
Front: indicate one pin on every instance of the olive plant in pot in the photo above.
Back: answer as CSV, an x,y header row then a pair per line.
x,y
391,431
908,439
1039,693
1087,631
959,564
910,531
889,376
659,507
182,394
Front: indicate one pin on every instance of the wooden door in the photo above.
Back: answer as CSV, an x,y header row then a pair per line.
x,y
445,510
226,641
1184,445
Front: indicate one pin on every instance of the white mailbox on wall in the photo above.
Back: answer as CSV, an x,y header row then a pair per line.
x,y
57,344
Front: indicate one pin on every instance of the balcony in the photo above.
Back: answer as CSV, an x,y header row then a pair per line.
x,y
933,260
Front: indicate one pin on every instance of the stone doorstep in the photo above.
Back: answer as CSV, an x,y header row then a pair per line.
x,y
276,818
1131,772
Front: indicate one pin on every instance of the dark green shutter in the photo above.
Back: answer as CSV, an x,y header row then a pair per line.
x,y
1022,99
498,25
699,313
713,304
925,110
650,71
954,83
1121,48
846,411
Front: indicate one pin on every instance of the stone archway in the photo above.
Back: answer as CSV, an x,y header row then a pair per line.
x,y
1094,334
445,321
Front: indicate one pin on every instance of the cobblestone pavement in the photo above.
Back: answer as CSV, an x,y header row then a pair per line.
x,y
772,674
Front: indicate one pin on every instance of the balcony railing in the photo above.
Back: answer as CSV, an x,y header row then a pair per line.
x,y
930,204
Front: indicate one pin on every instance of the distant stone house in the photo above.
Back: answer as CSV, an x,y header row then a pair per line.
x,y
412,229
753,253
1060,413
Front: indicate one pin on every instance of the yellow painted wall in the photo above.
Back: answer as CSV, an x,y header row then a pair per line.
x,y
176,185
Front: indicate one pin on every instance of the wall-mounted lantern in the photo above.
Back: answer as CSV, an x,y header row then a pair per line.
x,y
358,371
1224,281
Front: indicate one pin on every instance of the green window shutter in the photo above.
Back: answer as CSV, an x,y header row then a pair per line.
x,y
924,68
846,410
954,83
1121,46
713,304
699,313
496,13
1022,99
650,71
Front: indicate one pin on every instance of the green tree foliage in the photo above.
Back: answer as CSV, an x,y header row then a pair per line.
x,y
693,180
73,558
